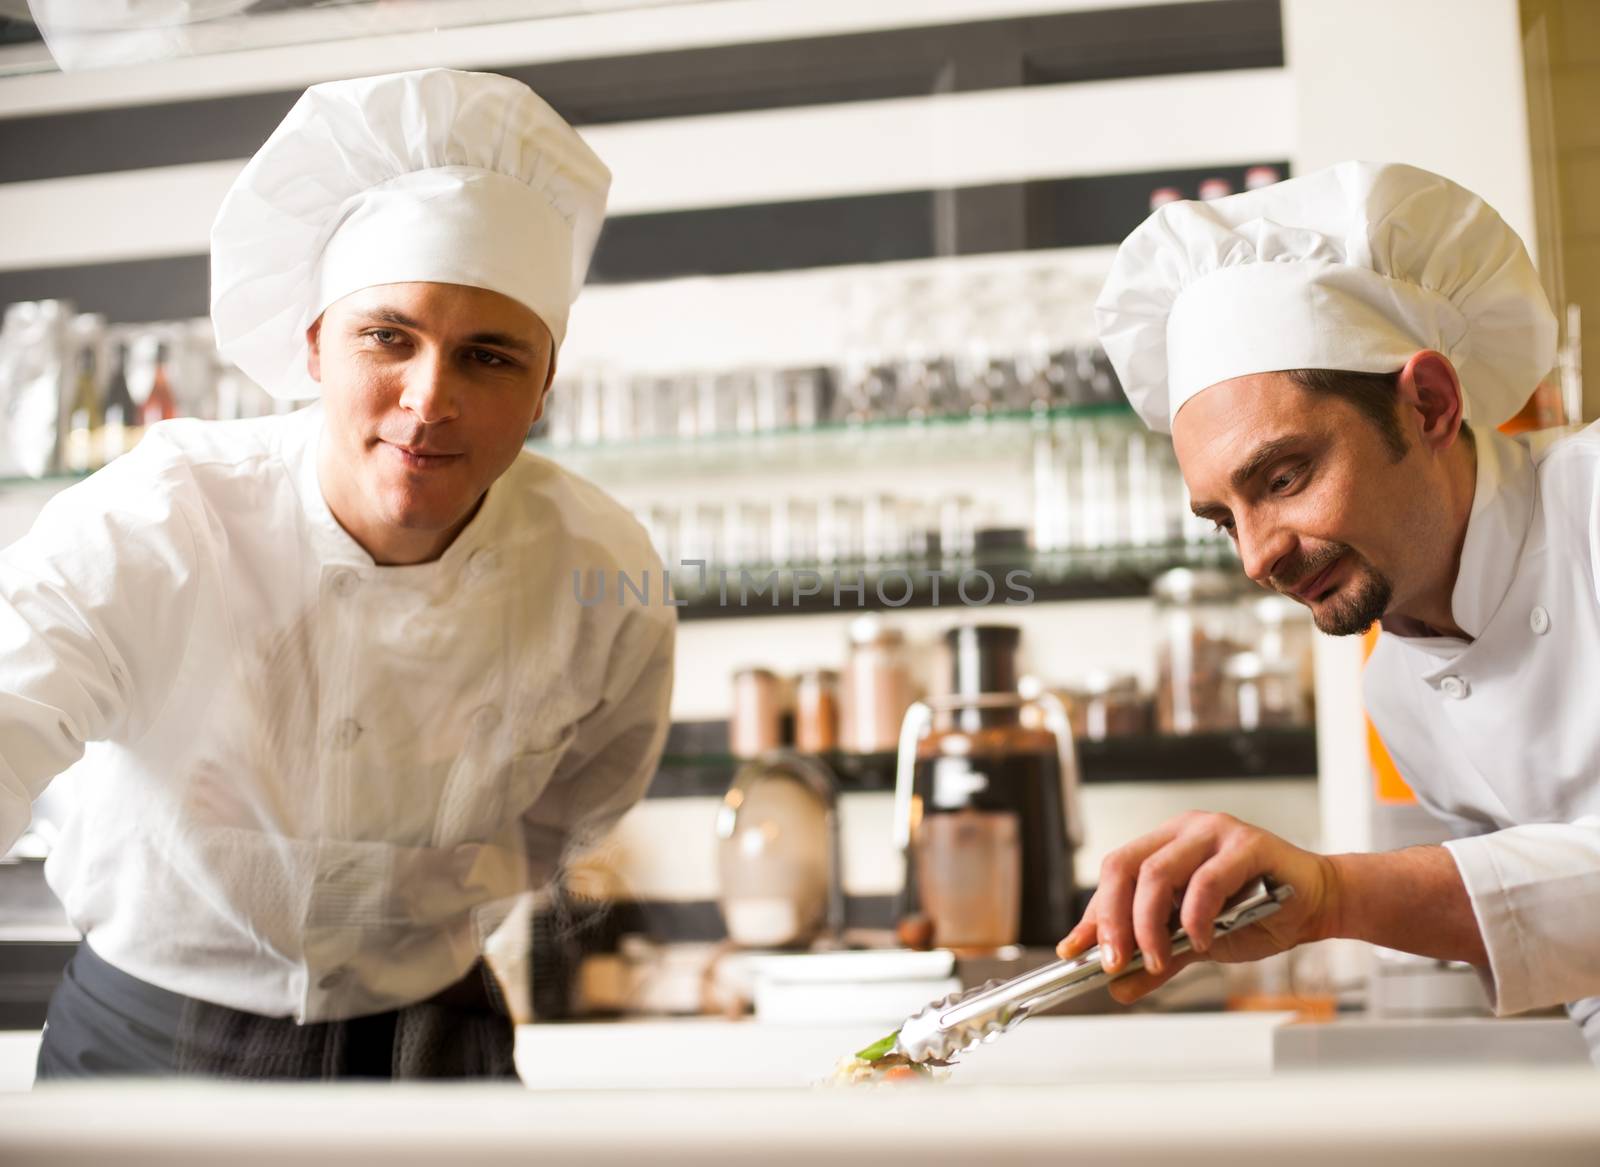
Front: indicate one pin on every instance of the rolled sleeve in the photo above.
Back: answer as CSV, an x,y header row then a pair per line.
x,y
1535,892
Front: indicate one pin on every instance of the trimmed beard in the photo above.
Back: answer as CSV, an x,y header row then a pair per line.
x,y
1357,606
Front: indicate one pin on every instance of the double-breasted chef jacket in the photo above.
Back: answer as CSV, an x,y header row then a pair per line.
x,y
1499,735
307,785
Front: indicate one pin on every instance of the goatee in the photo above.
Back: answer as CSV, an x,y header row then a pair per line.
x,y
1357,606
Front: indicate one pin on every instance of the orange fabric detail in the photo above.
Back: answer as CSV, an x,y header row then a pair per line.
x,y
1388,785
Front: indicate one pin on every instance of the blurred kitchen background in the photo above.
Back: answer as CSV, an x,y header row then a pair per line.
x,y
838,352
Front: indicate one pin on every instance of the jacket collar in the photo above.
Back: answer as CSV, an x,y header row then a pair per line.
x,y
1502,513
1503,502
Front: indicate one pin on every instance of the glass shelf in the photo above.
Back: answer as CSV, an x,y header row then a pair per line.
x,y
835,444
980,581
738,452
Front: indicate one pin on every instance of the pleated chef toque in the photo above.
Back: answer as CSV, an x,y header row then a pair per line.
x,y
1355,267
434,175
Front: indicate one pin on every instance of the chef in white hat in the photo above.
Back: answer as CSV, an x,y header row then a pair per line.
x,y
1332,356
329,699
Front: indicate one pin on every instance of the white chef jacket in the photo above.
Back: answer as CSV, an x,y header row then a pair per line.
x,y
1500,736
307,785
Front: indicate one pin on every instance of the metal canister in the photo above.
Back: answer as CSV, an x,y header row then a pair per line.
x,y
756,725
816,711
876,689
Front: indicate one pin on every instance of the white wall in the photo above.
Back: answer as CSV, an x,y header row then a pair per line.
x,y
1435,83
665,848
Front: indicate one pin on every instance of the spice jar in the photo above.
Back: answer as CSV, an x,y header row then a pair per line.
x,y
1199,628
1107,703
875,691
758,706
1282,632
1261,693
816,711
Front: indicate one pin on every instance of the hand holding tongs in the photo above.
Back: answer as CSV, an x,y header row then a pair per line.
x,y
962,1021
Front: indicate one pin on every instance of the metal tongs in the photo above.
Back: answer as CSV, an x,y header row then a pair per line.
x,y
964,1020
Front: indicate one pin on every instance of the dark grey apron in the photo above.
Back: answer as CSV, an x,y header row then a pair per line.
x,y
103,1022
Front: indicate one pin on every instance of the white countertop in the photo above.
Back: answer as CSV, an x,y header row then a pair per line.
x,y
1547,1117
1198,1089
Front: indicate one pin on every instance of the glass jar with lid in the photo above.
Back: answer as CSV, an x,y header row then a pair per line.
x,y
1261,692
1282,635
1107,703
875,690
1199,627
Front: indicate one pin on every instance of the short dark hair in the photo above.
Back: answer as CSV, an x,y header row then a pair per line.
x,y
1374,395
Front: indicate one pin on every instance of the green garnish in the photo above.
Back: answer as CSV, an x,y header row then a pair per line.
x,y
879,1049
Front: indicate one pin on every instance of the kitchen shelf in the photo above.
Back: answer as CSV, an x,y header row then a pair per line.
x,y
1052,577
980,443
1261,753
696,764
827,445
830,443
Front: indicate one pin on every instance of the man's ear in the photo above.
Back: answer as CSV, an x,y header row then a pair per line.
x,y
314,350
1430,396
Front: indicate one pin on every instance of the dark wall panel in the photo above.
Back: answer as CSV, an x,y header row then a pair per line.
x,y
1089,212
766,237
134,291
1045,50
1070,212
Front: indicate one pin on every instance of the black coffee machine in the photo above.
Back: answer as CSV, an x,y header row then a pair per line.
x,y
1014,782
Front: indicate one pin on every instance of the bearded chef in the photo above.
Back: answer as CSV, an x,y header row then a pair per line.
x,y
329,700
1332,356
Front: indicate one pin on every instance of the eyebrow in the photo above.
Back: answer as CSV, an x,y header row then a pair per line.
x,y
498,339
1265,454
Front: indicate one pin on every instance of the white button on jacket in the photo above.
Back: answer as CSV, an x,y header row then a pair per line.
x,y
305,784
1515,769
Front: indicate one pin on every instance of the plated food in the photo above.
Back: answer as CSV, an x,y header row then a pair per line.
x,y
879,1064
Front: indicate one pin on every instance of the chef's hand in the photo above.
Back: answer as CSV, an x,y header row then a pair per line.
x,y
1199,859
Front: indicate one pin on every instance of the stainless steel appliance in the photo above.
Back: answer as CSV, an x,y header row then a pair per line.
x,y
986,808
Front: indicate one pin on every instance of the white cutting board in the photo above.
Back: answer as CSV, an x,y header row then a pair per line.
x,y
710,1054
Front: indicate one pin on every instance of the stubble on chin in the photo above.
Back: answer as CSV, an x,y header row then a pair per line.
x,y
1357,606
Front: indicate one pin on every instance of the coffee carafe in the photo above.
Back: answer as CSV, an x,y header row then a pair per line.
x,y
986,808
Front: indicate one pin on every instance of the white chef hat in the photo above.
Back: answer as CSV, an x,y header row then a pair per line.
x,y
1355,267
434,175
